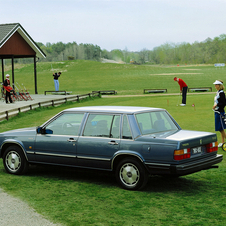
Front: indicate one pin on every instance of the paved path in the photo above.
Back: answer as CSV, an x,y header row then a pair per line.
x,y
23,105
37,98
15,212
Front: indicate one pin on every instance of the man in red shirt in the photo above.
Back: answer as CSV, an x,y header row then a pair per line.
x,y
183,89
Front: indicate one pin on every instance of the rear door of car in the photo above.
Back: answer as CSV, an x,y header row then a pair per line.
x,y
99,141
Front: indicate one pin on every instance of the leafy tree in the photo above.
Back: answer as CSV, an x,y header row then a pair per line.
x,y
208,51
117,54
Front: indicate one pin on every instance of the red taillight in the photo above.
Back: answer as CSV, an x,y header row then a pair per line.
x,y
182,154
212,147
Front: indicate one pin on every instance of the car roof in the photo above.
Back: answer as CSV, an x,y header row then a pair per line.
x,y
112,109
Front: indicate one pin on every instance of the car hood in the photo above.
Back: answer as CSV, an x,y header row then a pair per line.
x,y
23,132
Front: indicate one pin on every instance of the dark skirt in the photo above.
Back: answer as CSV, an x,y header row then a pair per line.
x,y
219,121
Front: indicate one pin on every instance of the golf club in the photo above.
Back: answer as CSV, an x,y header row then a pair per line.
x,y
178,99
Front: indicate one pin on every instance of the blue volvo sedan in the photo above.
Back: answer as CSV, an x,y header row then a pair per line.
x,y
132,142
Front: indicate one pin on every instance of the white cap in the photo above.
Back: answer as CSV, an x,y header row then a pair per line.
x,y
7,75
217,82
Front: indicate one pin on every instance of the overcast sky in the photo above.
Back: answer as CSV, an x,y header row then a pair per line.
x,y
117,24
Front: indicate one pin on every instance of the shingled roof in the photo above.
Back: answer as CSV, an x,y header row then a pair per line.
x,y
7,30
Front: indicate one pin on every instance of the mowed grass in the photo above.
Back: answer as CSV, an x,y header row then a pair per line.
x,y
86,76
87,197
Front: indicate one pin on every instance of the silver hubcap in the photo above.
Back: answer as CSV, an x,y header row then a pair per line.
x,y
13,161
129,174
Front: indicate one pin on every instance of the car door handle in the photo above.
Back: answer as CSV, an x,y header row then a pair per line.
x,y
113,142
71,140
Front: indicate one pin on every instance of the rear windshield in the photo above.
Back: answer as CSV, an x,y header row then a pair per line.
x,y
155,122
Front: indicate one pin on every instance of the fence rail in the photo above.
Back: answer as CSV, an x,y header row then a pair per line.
x,y
13,112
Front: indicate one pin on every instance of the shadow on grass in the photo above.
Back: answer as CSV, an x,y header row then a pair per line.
x,y
105,178
174,184
186,184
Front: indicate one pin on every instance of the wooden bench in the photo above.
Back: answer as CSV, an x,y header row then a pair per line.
x,y
155,90
59,92
200,89
106,92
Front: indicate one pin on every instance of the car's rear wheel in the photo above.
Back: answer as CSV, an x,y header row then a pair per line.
x,y
14,160
131,174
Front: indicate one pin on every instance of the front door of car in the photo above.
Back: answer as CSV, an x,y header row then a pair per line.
x,y
58,143
99,141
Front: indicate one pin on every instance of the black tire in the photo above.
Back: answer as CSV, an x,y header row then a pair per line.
x,y
14,160
131,174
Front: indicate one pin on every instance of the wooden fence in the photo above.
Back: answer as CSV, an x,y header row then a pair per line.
x,y
13,112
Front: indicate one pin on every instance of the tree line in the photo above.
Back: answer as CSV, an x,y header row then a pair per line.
x,y
207,52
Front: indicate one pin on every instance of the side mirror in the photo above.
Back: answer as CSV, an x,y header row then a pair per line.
x,y
41,130
48,131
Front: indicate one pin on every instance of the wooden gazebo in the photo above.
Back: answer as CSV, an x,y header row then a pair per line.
x,y
15,42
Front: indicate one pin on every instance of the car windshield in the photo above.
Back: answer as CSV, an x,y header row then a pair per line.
x,y
155,122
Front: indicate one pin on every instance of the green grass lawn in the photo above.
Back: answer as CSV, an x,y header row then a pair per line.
x,y
86,197
86,76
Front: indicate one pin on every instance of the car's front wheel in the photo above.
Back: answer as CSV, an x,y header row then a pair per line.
x,y
131,174
14,160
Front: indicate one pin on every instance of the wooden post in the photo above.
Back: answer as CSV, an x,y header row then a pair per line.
x,y
13,72
3,70
35,75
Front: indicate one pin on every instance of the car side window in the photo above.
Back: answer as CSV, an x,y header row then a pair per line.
x,y
66,124
115,129
126,133
154,122
100,125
